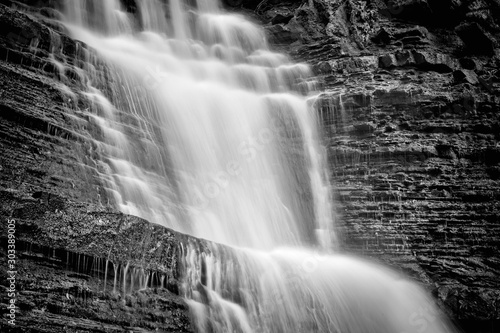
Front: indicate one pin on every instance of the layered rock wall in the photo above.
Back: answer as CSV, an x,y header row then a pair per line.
x,y
411,117
81,266
81,269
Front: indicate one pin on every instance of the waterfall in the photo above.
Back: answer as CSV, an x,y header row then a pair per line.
x,y
198,126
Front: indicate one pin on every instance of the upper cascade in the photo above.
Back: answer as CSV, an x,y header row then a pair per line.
x,y
205,130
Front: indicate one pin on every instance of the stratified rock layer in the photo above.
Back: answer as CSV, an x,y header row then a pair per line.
x,y
412,125
79,270
81,266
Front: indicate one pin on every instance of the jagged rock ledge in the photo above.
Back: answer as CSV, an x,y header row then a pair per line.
x,y
83,269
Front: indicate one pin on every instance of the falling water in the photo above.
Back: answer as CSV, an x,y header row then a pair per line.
x,y
201,128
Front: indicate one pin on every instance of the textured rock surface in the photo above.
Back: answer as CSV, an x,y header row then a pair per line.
x,y
42,138
412,121
66,233
82,269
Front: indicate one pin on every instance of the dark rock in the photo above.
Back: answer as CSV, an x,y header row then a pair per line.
x,y
365,128
280,36
446,151
431,12
418,32
468,63
476,39
465,76
382,37
51,13
322,67
493,172
54,297
234,3
424,60
61,267
427,158
386,61
438,62
318,51
492,155
281,19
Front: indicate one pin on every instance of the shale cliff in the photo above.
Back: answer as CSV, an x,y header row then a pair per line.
x,y
410,114
80,265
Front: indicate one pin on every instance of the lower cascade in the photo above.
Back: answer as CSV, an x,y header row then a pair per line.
x,y
199,127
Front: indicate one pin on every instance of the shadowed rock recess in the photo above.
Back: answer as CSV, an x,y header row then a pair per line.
x,y
410,109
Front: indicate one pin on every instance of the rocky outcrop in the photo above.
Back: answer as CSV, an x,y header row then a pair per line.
x,y
42,137
81,266
411,116
84,270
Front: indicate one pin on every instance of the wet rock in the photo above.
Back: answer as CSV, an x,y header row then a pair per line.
x,y
348,65
468,63
382,37
446,151
55,296
417,31
51,13
365,128
281,19
493,172
476,40
62,274
439,62
465,76
387,61
234,3
280,36
415,162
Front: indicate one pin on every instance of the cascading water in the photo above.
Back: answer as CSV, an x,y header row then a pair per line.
x,y
203,129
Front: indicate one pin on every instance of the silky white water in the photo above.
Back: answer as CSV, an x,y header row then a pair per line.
x,y
199,127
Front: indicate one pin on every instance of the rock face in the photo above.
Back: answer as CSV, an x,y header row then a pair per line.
x,y
42,137
412,125
91,271
81,266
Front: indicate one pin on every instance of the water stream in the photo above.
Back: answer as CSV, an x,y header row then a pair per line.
x,y
203,129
